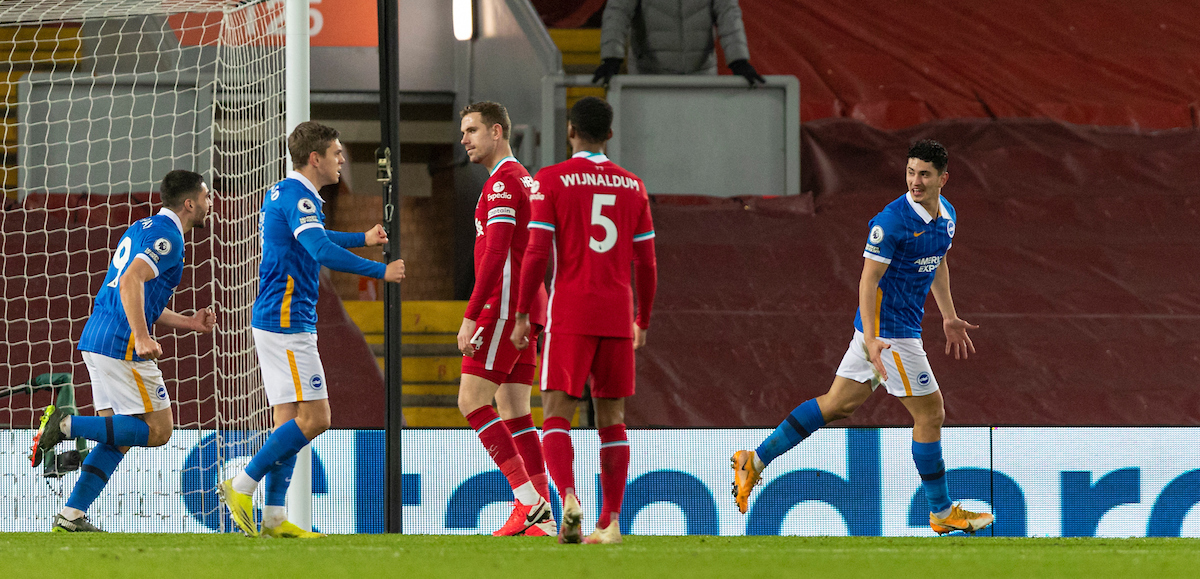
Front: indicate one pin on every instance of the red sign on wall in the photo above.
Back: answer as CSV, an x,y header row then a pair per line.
x,y
330,23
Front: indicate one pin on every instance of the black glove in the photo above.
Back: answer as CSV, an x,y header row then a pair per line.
x,y
607,69
742,67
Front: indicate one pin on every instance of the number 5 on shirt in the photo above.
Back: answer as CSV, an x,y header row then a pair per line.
x,y
599,202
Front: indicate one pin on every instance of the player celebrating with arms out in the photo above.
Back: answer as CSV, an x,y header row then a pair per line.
x,y
905,259
596,217
295,245
492,367
128,391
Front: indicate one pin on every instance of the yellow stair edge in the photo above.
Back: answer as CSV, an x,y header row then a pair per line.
x,y
377,338
418,317
576,39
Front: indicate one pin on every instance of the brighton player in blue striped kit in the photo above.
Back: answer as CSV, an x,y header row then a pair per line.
x,y
128,391
905,258
295,244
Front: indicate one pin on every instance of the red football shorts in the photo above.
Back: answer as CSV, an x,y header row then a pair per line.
x,y
568,359
496,359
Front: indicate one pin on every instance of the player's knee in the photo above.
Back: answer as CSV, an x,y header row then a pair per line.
x,y
468,404
933,418
159,436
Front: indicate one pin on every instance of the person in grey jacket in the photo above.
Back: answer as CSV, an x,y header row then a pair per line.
x,y
673,37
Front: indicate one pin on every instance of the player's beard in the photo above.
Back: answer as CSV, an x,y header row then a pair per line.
x,y
201,221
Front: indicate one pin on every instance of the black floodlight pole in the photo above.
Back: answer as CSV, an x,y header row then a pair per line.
x,y
388,163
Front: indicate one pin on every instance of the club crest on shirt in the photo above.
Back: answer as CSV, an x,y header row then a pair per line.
x,y
316,382
498,186
306,205
923,378
161,392
876,235
162,246
950,228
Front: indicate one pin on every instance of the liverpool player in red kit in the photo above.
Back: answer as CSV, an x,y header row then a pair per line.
x,y
595,216
492,366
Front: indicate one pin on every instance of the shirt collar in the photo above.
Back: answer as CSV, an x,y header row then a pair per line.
x,y
307,184
594,157
920,210
174,217
501,162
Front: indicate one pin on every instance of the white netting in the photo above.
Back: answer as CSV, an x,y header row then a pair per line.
x,y
103,98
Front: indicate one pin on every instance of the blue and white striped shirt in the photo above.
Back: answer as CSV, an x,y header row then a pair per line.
x,y
913,243
157,240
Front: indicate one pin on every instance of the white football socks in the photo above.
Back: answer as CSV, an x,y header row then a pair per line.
x,y
71,514
526,494
273,516
242,483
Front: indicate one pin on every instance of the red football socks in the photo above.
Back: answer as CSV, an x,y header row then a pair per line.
x,y
529,445
614,468
560,455
499,443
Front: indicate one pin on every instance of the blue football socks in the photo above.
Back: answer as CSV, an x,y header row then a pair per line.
x,y
931,467
118,430
802,422
277,481
283,444
100,463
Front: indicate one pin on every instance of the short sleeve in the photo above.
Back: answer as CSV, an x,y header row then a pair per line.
x,y
883,239
300,211
160,249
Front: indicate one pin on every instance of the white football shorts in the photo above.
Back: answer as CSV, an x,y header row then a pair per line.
x,y
907,366
124,386
291,366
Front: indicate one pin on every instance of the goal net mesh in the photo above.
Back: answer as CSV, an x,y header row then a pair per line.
x,y
101,100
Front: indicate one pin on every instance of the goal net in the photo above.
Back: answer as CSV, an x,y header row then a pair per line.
x,y
102,99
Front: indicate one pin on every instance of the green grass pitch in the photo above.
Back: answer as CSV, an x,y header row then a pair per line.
x,y
419,556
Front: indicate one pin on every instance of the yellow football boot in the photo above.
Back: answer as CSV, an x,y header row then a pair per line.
x,y
745,476
241,507
287,530
960,519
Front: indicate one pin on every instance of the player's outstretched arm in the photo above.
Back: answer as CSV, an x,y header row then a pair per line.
x,y
957,340
369,238
202,320
133,299
329,255
868,286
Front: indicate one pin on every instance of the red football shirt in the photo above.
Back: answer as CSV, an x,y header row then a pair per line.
x,y
599,218
501,234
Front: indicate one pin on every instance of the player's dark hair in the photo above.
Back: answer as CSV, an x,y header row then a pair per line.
x,y
491,114
178,186
931,152
592,118
309,137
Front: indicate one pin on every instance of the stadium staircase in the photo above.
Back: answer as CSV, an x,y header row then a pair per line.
x,y
24,50
580,48
432,363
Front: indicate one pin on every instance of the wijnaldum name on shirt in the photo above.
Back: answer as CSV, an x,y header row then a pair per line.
x,y
599,180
